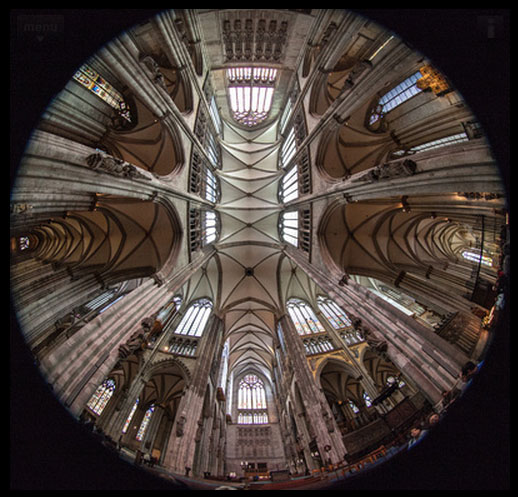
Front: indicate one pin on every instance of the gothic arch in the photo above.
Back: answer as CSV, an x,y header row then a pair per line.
x,y
151,144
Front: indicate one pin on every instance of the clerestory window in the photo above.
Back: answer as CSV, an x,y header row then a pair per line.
x,y
303,317
396,96
92,80
250,91
333,313
195,319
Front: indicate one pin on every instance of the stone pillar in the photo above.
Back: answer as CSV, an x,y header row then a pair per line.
x,y
318,413
80,364
429,361
180,449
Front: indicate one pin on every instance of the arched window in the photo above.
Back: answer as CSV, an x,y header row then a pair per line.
x,y
251,401
145,422
396,96
476,256
367,399
92,80
333,313
250,91
102,395
195,319
303,317
353,406
23,242
130,417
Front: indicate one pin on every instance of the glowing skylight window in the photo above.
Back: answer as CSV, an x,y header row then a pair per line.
x,y
250,92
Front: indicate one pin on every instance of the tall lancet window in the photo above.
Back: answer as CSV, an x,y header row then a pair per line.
x,y
303,317
195,319
92,80
145,422
250,91
396,96
102,395
333,313
251,401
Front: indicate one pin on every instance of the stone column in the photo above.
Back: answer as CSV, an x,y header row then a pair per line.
x,y
429,361
320,417
180,449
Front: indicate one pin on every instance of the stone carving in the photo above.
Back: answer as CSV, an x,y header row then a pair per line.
x,y
149,327
153,67
100,161
389,170
377,344
357,70
180,423
244,41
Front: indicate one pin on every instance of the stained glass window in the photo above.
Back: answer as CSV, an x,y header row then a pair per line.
x,y
145,422
353,406
476,256
92,80
102,395
251,401
250,90
333,313
396,96
23,242
195,319
367,399
130,417
303,317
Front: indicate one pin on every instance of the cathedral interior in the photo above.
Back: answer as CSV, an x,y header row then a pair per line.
x,y
256,249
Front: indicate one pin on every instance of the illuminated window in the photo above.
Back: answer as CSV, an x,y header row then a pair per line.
x,y
130,417
209,227
195,319
353,406
250,91
288,148
290,227
251,401
290,185
145,422
396,96
92,80
203,228
303,317
367,399
334,314
476,256
102,395
202,179
23,243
